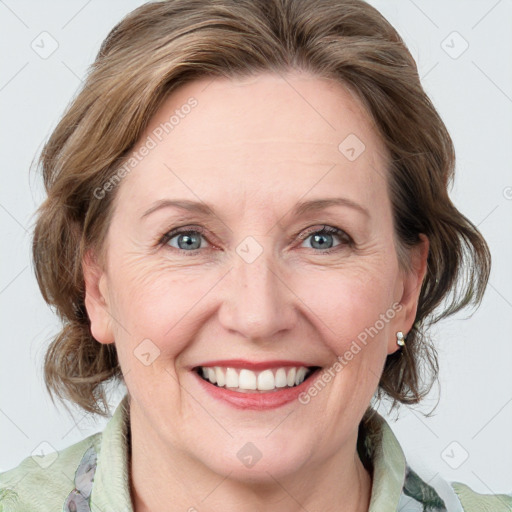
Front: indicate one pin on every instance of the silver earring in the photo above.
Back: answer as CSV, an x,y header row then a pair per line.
x,y
400,338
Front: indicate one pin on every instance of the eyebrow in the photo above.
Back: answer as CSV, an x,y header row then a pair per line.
x,y
301,208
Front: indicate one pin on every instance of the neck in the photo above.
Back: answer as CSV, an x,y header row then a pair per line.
x,y
162,474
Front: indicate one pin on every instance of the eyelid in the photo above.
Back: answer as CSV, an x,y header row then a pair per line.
x,y
321,228
182,229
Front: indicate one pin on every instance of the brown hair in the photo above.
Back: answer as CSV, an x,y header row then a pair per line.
x,y
162,45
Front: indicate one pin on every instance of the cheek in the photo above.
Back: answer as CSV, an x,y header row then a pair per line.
x,y
159,303
350,305
355,315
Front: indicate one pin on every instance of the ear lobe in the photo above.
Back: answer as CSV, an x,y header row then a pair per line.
x,y
96,299
412,281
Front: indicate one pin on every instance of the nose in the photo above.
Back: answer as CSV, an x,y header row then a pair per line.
x,y
258,303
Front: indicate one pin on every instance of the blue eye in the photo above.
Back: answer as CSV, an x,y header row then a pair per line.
x,y
186,239
323,238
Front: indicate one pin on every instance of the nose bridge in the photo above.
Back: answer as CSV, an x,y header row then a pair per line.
x,y
257,304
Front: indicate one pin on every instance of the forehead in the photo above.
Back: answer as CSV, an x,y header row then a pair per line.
x,y
267,137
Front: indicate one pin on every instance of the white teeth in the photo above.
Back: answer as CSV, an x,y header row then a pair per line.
x,y
221,379
301,373
231,378
291,377
211,375
266,380
281,378
245,380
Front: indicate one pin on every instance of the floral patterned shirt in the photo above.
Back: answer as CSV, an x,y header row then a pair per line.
x,y
93,476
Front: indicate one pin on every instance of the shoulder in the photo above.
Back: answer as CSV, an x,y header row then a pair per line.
x,y
473,501
420,491
440,495
44,483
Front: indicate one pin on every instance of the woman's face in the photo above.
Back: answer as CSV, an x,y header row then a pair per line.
x,y
252,283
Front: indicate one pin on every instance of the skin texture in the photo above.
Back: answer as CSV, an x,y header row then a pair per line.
x,y
252,148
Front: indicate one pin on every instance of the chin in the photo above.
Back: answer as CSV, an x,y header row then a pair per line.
x,y
260,460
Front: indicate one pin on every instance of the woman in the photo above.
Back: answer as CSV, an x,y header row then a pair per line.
x,y
248,224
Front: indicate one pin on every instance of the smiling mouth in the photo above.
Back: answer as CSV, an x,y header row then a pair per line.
x,y
247,381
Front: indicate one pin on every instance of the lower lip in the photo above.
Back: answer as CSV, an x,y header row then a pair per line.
x,y
257,401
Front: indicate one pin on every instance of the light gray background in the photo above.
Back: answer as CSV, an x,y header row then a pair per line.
x,y
473,93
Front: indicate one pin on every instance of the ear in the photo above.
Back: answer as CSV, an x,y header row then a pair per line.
x,y
96,299
412,279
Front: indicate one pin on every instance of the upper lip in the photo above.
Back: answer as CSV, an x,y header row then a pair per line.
x,y
252,365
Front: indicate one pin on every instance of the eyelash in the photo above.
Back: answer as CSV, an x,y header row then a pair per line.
x,y
345,239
